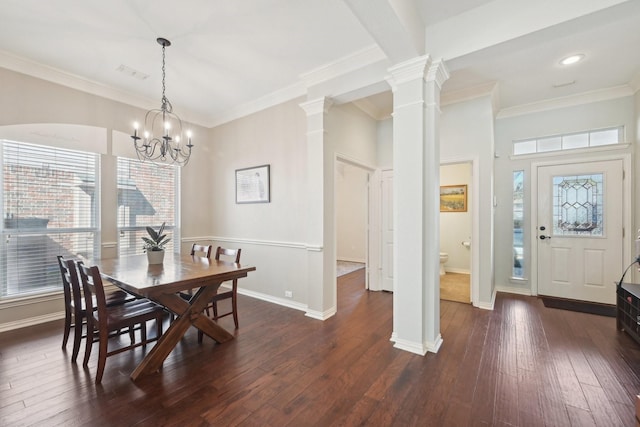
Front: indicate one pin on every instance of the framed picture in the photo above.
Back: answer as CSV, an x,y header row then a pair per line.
x,y
252,185
453,198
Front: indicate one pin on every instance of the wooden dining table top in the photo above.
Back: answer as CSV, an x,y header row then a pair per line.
x,y
177,273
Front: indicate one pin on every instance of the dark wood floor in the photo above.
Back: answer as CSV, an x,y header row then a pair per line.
x,y
519,365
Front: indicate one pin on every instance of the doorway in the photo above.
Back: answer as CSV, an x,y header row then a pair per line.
x,y
456,233
352,219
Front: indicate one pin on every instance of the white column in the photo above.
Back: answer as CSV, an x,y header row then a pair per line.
x,y
416,163
321,298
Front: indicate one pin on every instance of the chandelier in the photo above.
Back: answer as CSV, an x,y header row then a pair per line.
x,y
162,139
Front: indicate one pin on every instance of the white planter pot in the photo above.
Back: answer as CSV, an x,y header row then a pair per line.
x,y
155,257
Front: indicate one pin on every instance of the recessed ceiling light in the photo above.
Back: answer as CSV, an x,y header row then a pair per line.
x,y
572,59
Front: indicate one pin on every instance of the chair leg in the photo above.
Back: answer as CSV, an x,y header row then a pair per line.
x,y
77,338
88,343
214,305
132,335
143,333
67,328
234,307
200,336
102,355
159,326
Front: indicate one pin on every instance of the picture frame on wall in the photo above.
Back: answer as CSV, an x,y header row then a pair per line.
x,y
253,185
453,198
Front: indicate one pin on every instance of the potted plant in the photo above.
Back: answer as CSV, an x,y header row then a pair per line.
x,y
154,244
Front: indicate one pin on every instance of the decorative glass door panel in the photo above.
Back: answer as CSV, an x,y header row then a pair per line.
x,y
577,205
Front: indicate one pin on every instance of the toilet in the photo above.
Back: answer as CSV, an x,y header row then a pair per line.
x,y
444,257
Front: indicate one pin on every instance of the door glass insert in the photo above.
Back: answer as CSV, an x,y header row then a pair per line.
x,y
577,205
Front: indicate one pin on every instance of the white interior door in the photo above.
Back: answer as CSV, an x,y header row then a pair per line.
x,y
579,230
387,231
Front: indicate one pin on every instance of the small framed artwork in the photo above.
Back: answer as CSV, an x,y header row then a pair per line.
x,y
252,185
453,198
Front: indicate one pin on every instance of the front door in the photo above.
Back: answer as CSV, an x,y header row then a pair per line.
x,y
579,230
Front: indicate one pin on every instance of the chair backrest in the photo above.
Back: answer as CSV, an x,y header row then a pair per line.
x,y
93,287
230,253
70,282
201,250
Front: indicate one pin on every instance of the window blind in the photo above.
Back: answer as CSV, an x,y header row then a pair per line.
x,y
147,196
50,204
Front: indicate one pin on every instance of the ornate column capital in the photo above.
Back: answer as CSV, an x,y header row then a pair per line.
x,y
317,106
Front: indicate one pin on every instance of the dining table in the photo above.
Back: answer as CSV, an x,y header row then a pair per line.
x,y
167,284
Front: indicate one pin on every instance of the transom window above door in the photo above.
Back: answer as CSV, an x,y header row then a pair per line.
x,y
571,141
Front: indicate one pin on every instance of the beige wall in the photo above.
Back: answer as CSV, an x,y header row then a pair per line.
x,y
351,212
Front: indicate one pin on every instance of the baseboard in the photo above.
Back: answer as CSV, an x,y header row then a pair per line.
x,y
31,321
269,298
514,290
321,315
358,260
410,346
487,305
457,270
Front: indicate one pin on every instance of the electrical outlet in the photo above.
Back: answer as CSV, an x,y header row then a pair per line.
x,y
288,294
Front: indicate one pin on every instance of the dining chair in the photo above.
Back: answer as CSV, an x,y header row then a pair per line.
x,y
74,305
108,319
196,250
201,250
234,256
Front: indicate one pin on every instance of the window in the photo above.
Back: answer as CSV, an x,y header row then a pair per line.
x,y
518,225
147,196
594,138
50,207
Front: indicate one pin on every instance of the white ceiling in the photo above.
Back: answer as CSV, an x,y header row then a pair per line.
x,y
229,54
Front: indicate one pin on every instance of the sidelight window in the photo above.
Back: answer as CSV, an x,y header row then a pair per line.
x,y
518,225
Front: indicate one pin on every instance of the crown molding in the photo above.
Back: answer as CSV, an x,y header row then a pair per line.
x,y
317,106
270,100
438,73
415,68
359,59
467,94
568,101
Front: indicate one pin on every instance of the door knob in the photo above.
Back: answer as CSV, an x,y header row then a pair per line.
x,y
544,237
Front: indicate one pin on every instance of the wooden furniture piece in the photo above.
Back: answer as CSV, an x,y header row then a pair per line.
x,y
104,320
232,255
74,305
628,309
162,283
201,250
